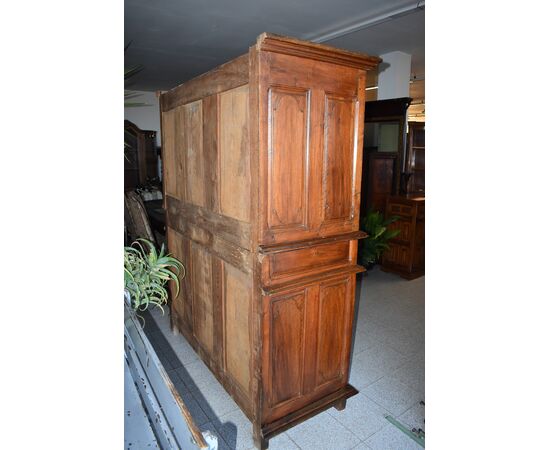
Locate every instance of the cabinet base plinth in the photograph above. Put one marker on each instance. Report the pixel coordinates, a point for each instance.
(336, 399)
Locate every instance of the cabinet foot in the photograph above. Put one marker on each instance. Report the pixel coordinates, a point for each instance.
(259, 441)
(341, 405)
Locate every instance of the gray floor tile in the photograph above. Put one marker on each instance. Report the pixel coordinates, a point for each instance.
(236, 430)
(406, 341)
(374, 363)
(393, 395)
(414, 417)
(362, 416)
(323, 432)
(214, 400)
(362, 446)
(196, 375)
(362, 371)
(281, 442)
(412, 374)
(391, 438)
(194, 408)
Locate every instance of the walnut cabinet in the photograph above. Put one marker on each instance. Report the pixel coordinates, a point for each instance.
(262, 174)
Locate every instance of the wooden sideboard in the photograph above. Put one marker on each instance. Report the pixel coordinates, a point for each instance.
(405, 256)
(262, 177)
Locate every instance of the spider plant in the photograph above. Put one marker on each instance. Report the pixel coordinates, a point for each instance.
(146, 272)
(372, 247)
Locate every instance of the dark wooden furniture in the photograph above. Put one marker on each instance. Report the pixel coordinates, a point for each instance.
(157, 215)
(405, 256)
(136, 218)
(140, 162)
(384, 151)
(262, 174)
(416, 157)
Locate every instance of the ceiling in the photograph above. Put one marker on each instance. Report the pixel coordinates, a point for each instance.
(176, 40)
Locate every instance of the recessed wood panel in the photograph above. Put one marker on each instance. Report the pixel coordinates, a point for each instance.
(180, 153)
(237, 300)
(338, 158)
(332, 333)
(288, 132)
(191, 141)
(286, 323)
(176, 248)
(201, 268)
(234, 154)
(168, 153)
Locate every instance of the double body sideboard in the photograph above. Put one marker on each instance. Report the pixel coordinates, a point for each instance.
(262, 175)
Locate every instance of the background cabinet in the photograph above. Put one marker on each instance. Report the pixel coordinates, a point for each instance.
(405, 256)
(384, 151)
(416, 157)
(140, 162)
(262, 173)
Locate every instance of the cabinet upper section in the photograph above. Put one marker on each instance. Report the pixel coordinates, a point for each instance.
(310, 138)
(272, 139)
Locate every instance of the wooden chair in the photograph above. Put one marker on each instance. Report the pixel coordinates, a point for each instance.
(136, 218)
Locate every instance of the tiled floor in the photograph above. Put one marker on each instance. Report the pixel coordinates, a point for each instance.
(387, 369)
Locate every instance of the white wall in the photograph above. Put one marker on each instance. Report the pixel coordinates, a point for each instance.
(145, 117)
(394, 74)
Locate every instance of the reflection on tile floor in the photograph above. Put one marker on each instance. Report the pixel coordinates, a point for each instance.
(387, 368)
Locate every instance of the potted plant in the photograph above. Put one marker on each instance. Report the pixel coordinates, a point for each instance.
(372, 247)
(146, 273)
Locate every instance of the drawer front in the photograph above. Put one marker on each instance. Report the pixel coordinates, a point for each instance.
(293, 264)
(400, 209)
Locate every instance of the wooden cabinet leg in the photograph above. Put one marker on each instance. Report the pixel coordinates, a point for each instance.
(259, 441)
(340, 405)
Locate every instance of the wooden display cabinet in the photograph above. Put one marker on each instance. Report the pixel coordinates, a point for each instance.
(416, 156)
(262, 175)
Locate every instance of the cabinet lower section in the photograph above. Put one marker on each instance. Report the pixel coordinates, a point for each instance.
(336, 399)
(306, 344)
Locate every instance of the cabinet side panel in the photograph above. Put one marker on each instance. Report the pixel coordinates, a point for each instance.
(192, 142)
(237, 295)
(203, 326)
(181, 306)
(168, 144)
(175, 244)
(234, 154)
(211, 152)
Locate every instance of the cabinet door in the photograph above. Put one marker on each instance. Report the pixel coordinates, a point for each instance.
(311, 130)
(307, 335)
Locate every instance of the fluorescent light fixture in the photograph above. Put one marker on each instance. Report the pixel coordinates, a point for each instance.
(371, 88)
